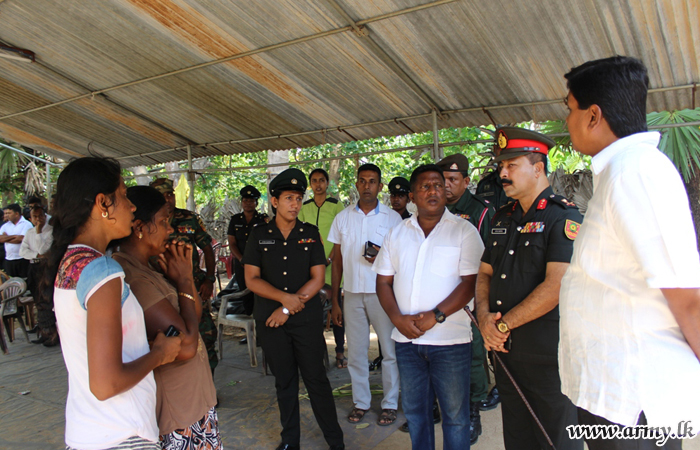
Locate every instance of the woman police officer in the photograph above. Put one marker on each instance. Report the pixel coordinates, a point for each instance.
(285, 268)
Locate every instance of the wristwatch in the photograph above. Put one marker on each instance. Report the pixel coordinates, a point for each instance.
(439, 315)
(285, 310)
(502, 326)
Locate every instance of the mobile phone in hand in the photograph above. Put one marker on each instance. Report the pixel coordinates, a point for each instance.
(171, 331)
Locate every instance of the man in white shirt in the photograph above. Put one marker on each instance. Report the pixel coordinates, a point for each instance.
(11, 234)
(34, 247)
(358, 232)
(426, 273)
(630, 303)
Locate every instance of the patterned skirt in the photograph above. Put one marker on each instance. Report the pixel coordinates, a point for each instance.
(201, 435)
(133, 443)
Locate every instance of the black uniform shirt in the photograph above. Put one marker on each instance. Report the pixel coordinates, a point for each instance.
(240, 229)
(518, 249)
(285, 264)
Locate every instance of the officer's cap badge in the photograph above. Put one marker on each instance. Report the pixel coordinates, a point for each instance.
(502, 139)
(454, 166)
(294, 181)
(398, 186)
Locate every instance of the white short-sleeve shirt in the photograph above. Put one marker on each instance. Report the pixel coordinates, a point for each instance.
(15, 229)
(621, 350)
(352, 228)
(427, 270)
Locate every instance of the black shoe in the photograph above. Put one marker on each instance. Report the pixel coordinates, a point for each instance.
(404, 427)
(284, 446)
(436, 413)
(492, 400)
(243, 341)
(474, 423)
(41, 340)
(376, 364)
(52, 341)
(34, 330)
(337, 447)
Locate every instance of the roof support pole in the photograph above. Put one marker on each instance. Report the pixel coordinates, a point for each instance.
(190, 179)
(437, 153)
(48, 182)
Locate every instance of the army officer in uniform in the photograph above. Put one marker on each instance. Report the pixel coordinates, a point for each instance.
(285, 268)
(517, 292)
(238, 230)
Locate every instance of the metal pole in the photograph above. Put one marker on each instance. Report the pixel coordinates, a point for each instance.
(435, 153)
(29, 155)
(381, 122)
(190, 179)
(48, 183)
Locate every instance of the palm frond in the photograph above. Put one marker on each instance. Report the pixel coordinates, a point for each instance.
(680, 144)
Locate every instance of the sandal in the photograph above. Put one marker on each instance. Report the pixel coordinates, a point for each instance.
(387, 417)
(341, 363)
(356, 415)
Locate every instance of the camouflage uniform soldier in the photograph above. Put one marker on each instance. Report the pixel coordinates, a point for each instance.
(189, 228)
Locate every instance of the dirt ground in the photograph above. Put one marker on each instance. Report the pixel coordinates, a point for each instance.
(33, 387)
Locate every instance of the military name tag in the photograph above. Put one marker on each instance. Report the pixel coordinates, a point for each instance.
(272, 241)
(533, 227)
(238, 226)
(499, 230)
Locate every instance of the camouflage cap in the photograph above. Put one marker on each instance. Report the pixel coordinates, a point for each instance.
(288, 180)
(250, 192)
(454, 163)
(399, 185)
(163, 185)
(513, 142)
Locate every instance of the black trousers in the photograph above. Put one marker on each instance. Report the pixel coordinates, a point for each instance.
(16, 267)
(46, 319)
(294, 348)
(587, 418)
(542, 387)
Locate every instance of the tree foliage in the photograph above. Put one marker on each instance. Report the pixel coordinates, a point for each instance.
(681, 144)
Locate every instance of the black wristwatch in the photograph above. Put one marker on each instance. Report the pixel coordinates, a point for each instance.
(439, 315)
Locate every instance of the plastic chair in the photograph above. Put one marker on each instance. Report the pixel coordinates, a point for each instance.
(10, 292)
(238, 321)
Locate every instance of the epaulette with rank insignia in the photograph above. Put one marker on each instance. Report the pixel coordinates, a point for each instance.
(562, 201)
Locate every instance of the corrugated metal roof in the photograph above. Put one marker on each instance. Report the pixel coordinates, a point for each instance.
(298, 67)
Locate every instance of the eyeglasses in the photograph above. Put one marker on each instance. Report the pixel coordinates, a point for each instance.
(428, 186)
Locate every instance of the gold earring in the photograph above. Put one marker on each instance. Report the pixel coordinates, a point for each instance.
(105, 214)
(140, 235)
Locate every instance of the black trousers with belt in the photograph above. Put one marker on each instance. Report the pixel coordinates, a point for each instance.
(298, 346)
(541, 385)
